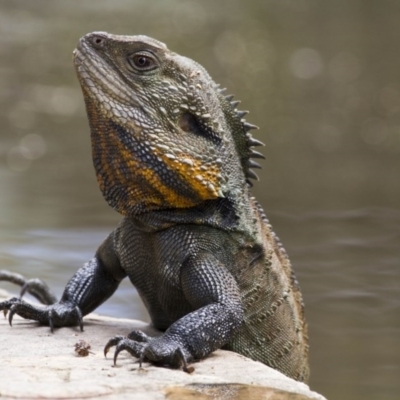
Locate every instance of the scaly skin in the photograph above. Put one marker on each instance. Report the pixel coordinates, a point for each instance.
(172, 154)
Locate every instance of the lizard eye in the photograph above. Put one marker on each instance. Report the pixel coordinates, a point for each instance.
(143, 61)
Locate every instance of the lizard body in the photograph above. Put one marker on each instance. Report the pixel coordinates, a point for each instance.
(173, 155)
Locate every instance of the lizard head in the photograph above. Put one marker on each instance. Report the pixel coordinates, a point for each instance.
(163, 136)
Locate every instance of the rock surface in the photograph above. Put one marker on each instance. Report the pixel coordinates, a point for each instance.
(37, 364)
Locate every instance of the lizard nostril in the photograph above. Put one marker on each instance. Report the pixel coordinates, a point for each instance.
(98, 40)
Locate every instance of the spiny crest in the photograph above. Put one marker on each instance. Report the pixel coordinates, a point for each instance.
(244, 141)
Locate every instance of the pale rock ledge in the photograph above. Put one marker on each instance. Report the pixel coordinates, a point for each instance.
(36, 364)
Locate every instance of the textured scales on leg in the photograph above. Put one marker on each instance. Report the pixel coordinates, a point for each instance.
(173, 155)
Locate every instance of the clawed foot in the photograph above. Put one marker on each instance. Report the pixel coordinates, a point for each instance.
(160, 351)
(58, 314)
(36, 287)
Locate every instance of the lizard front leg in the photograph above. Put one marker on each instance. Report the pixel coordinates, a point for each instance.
(92, 284)
(213, 293)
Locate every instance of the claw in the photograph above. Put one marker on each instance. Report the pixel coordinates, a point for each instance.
(181, 359)
(117, 351)
(11, 315)
(51, 321)
(23, 290)
(133, 348)
(80, 318)
(112, 342)
(141, 359)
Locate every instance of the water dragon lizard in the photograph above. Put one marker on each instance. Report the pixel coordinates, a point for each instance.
(174, 156)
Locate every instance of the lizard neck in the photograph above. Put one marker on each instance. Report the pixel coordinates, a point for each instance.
(218, 213)
(222, 213)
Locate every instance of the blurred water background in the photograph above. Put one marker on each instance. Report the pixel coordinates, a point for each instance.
(321, 79)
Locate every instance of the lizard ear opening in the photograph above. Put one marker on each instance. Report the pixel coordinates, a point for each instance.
(190, 124)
